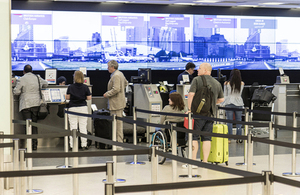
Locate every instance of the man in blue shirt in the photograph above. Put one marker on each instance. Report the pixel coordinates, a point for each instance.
(189, 70)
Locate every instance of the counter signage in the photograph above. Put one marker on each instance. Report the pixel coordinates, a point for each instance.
(123, 20)
(50, 75)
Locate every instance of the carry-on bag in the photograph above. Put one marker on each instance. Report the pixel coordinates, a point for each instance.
(262, 96)
(103, 129)
(219, 146)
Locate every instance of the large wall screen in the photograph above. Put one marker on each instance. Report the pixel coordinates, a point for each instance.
(69, 40)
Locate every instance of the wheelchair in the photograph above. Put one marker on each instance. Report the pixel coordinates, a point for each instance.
(163, 139)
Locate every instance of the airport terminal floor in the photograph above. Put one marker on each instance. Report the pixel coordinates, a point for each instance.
(141, 174)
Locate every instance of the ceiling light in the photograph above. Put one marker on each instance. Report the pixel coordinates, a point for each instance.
(116, 1)
(247, 6)
(184, 3)
(272, 3)
(205, 1)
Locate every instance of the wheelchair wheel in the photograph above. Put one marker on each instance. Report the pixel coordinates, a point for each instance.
(160, 141)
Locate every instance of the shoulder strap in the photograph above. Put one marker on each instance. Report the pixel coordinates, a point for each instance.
(203, 80)
(39, 86)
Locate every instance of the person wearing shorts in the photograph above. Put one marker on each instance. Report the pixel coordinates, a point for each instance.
(201, 124)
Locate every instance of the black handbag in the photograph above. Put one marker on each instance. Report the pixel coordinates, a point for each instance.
(43, 109)
(61, 109)
(262, 96)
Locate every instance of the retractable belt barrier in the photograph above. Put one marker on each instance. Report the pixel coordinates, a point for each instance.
(192, 184)
(6, 145)
(35, 136)
(52, 172)
(248, 177)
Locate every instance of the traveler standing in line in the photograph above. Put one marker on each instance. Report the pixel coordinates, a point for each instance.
(116, 94)
(201, 124)
(30, 99)
(78, 93)
(233, 99)
(189, 70)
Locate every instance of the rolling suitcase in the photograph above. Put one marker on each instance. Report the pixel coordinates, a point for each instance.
(103, 129)
(219, 146)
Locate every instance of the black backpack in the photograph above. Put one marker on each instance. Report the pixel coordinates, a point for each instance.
(202, 101)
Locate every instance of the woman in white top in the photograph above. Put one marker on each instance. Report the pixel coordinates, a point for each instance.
(233, 99)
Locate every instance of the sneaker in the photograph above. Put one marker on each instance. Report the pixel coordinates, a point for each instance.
(185, 166)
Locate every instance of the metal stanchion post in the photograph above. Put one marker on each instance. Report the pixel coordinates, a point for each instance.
(110, 173)
(271, 153)
(249, 160)
(109, 186)
(75, 162)
(135, 162)
(16, 166)
(1, 165)
(271, 147)
(293, 173)
(174, 152)
(114, 147)
(29, 160)
(245, 143)
(23, 168)
(154, 167)
(109, 189)
(267, 183)
(190, 143)
(66, 145)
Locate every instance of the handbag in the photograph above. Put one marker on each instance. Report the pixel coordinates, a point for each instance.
(43, 109)
(262, 96)
(61, 109)
(186, 123)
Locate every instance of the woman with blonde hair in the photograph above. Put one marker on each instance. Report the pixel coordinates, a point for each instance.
(78, 93)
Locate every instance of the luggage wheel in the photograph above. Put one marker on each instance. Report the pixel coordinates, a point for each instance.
(226, 163)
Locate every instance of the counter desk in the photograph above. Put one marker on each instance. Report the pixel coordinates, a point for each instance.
(54, 95)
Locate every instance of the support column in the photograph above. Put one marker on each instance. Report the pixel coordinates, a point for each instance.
(6, 98)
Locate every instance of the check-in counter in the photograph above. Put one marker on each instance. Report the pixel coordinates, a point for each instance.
(184, 89)
(54, 97)
(288, 101)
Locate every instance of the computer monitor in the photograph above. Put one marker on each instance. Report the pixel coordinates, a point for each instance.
(145, 74)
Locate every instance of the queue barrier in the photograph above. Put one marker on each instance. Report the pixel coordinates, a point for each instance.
(278, 179)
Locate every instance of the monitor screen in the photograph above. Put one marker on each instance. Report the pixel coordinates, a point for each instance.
(67, 40)
(145, 74)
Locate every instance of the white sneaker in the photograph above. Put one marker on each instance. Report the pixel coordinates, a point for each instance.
(185, 166)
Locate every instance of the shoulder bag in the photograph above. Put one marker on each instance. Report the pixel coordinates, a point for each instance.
(43, 110)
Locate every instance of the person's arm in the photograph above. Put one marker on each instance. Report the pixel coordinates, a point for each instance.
(163, 117)
(220, 95)
(115, 87)
(68, 96)
(220, 100)
(18, 88)
(89, 97)
(190, 100)
(43, 82)
(225, 89)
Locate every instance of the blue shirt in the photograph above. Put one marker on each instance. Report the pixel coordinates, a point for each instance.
(179, 78)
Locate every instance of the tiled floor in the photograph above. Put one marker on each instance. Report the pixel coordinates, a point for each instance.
(91, 184)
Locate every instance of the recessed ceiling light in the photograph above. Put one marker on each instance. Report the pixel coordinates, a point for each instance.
(247, 6)
(184, 3)
(272, 3)
(116, 1)
(205, 1)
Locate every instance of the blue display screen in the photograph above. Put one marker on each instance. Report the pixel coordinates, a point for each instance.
(69, 40)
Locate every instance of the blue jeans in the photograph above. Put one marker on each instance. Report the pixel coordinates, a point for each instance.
(238, 117)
